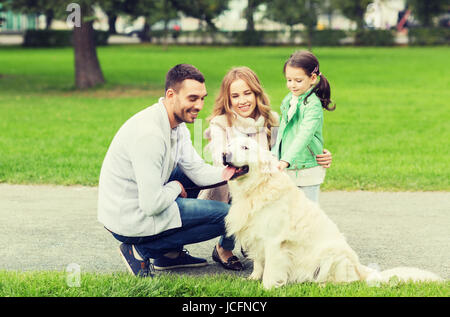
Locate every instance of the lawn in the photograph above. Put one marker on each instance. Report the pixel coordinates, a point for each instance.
(390, 130)
(55, 284)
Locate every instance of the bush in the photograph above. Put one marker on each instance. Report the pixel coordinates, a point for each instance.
(327, 37)
(374, 38)
(47, 38)
(58, 38)
(251, 38)
(429, 36)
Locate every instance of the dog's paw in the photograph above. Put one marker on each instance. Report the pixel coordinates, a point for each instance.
(268, 284)
(255, 276)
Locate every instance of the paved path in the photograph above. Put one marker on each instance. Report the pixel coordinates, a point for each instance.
(50, 227)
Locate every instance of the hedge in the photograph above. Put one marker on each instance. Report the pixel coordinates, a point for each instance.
(429, 36)
(58, 38)
(374, 38)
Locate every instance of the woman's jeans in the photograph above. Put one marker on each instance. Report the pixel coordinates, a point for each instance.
(201, 220)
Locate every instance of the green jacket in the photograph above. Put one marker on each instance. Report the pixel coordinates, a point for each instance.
(300, 139)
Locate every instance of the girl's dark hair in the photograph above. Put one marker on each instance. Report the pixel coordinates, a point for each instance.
(310, 65)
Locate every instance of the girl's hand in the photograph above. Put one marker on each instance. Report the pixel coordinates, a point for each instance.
(282, 165)
(324, 159)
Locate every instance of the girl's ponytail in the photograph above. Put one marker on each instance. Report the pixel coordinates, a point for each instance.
(323, 92)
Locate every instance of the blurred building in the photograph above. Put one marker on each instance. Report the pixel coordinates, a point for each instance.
(17, 22)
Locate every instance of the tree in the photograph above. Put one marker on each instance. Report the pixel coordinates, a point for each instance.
(354, 10)
(425, 11)
(252, 7)
(87, 67)
(205, 10)
(301, 12)
(328, 7)
(153, 11)
(113, 8)
(88, 72)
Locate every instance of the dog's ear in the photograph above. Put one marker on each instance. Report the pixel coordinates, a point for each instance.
(268, 162)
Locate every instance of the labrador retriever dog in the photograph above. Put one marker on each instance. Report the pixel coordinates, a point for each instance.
(288, 237)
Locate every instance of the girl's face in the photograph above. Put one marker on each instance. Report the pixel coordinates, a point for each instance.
(297, 81)
(242, 98)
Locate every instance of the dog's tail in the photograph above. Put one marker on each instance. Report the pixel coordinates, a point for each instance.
(401, 274)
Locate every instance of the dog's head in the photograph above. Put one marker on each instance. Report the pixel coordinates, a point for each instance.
(248, 158)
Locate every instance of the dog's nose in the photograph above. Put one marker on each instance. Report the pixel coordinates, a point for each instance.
(226, 157)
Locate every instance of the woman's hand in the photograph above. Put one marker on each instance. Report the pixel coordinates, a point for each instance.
(183, 193)
(324, 159)
(282, 165)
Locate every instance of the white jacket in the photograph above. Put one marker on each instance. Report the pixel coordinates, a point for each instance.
(134, 198)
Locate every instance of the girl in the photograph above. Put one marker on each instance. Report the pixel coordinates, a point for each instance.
(299, 138)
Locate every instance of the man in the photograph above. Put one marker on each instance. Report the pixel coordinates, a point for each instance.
(142, 197)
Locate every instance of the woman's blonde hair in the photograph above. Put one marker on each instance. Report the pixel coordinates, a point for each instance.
(222, 105)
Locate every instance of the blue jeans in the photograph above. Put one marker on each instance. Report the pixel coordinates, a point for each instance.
(311, 192)
(201, 220)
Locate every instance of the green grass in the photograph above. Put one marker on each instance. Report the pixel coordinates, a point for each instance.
(390, 130)
(54, 284)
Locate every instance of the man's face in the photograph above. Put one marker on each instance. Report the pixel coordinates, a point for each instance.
(188, 100)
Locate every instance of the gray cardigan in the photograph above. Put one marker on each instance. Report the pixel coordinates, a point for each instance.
(134, 197)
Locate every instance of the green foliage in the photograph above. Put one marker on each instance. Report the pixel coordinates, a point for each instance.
(205, 10)
(248, 38)
(58, 38)
(325, 37)
(374, 37)
(353, 10)
(292, 12)
(425, 11)
(249, 12)
(429, 36)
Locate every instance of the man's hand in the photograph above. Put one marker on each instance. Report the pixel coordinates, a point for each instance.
(324, 159)
(183, 191)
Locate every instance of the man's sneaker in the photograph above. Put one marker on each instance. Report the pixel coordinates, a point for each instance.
(135, 264)
(183, 260)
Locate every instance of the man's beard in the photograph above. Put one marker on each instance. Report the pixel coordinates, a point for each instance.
(182, 115)
(178, 119)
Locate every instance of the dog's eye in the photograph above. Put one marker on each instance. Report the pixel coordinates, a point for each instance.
(244, 147)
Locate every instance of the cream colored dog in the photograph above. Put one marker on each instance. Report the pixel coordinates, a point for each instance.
(288, 237)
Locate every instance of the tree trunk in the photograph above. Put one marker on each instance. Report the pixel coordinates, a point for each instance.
(249, 11)
(49, 14)
(145, 35)
(112, 23)
(309, 35)
(87, 67)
